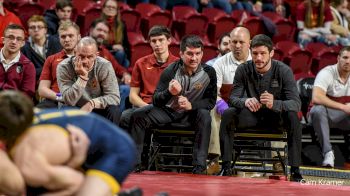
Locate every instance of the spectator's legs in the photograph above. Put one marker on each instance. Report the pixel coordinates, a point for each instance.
(268, 7)
(124, 94)
(126, 118)
(319, 119)
(111, 112)
(292, 123)
(121, 57)
(344, 41)
(143, 119)
(202, 126)
(222, 4)
(237, 6)
(304, 39)
(214, 145)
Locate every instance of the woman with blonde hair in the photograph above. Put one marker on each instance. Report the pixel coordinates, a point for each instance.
(118, 42)
(314, 19)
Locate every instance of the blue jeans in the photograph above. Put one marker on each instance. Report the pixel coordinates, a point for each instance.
(124, 94)
(121, 57)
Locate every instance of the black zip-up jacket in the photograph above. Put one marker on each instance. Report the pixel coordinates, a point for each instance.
(199, 88)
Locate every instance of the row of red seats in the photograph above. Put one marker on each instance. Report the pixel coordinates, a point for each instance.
(308, 62)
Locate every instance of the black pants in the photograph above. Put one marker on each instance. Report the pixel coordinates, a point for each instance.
(47, 103)
(243, 118)
(111, 112)
(150, 116)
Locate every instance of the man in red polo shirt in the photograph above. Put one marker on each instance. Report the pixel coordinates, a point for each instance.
(69, 35)
(147, 71)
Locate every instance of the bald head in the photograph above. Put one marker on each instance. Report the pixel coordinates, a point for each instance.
(240, 43)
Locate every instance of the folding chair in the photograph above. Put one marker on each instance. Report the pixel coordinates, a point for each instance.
(171, 147)
(253, 146)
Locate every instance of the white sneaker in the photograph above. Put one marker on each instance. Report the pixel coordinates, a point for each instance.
(328, 160)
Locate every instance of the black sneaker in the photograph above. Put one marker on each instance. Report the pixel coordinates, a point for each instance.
(296, 177)
(198, 169)
(226, 171)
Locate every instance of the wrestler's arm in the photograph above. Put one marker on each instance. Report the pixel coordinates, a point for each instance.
(41, 156)
(80, 145)
(11, 181)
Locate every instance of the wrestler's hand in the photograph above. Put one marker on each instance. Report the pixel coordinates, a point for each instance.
(80, 144)
(184, 103)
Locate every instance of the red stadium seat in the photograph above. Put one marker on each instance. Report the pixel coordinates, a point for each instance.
(147, 9)
(174, 48)
(87, 17)
(25, 11)
(273, 16)
(278, 54)
(209, 52)
(132, 19)
(158, 18)
(285, 31)
(325, 58)
(287, 47)
(255, 26)
(213, 14)
(135, 38)
(300, 62)
(137, 51)
(222, 25)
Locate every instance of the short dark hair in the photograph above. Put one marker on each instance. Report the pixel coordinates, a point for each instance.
(60, 4)
(191, 41)
(16, 115)
(262, 40)
(98, 20)
(14, 27)
(346, 48)
(223, 36)
(159, 30)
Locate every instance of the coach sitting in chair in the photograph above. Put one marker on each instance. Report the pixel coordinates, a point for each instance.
(264, 94)
(186, 89)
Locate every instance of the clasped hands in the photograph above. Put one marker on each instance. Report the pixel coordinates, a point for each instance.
(266, 99)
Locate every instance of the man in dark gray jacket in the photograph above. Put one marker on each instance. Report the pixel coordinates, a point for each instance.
(264, 94)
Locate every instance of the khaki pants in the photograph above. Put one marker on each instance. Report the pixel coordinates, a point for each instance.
(214, 145)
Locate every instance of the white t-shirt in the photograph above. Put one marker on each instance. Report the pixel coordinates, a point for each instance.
(328, 79)
(225, 68)
(8, 65)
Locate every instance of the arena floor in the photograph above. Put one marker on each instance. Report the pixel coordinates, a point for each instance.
(176, 184)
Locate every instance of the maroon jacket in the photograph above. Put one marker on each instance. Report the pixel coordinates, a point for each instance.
(20, 76)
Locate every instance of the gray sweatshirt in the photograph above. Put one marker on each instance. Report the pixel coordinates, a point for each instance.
(102, 86)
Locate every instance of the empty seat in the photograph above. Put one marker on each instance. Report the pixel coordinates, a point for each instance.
(132, 19)
(255, 26)
(25, 11)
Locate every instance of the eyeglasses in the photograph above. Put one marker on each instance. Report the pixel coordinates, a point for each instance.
(13, 38)
(36, 27)
(111, 7)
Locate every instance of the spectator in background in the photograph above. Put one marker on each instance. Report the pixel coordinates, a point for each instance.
(62, 12)
(89, 82)
(147, 71)
(225, 68)
(118, 42)
(265, 94)
(16, 71)
(40, 45)
(69, 35)
(314, 19)
(99, 30)
(340, 24)
(282, 8)
(186, 92)
(224, 43)
(6, 18)
(331, 108)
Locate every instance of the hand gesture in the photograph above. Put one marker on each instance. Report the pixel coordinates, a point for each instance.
(252, 104)
(126, 78)
(174, 87)
(80, 70)
(184, 103)
(266, 99)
